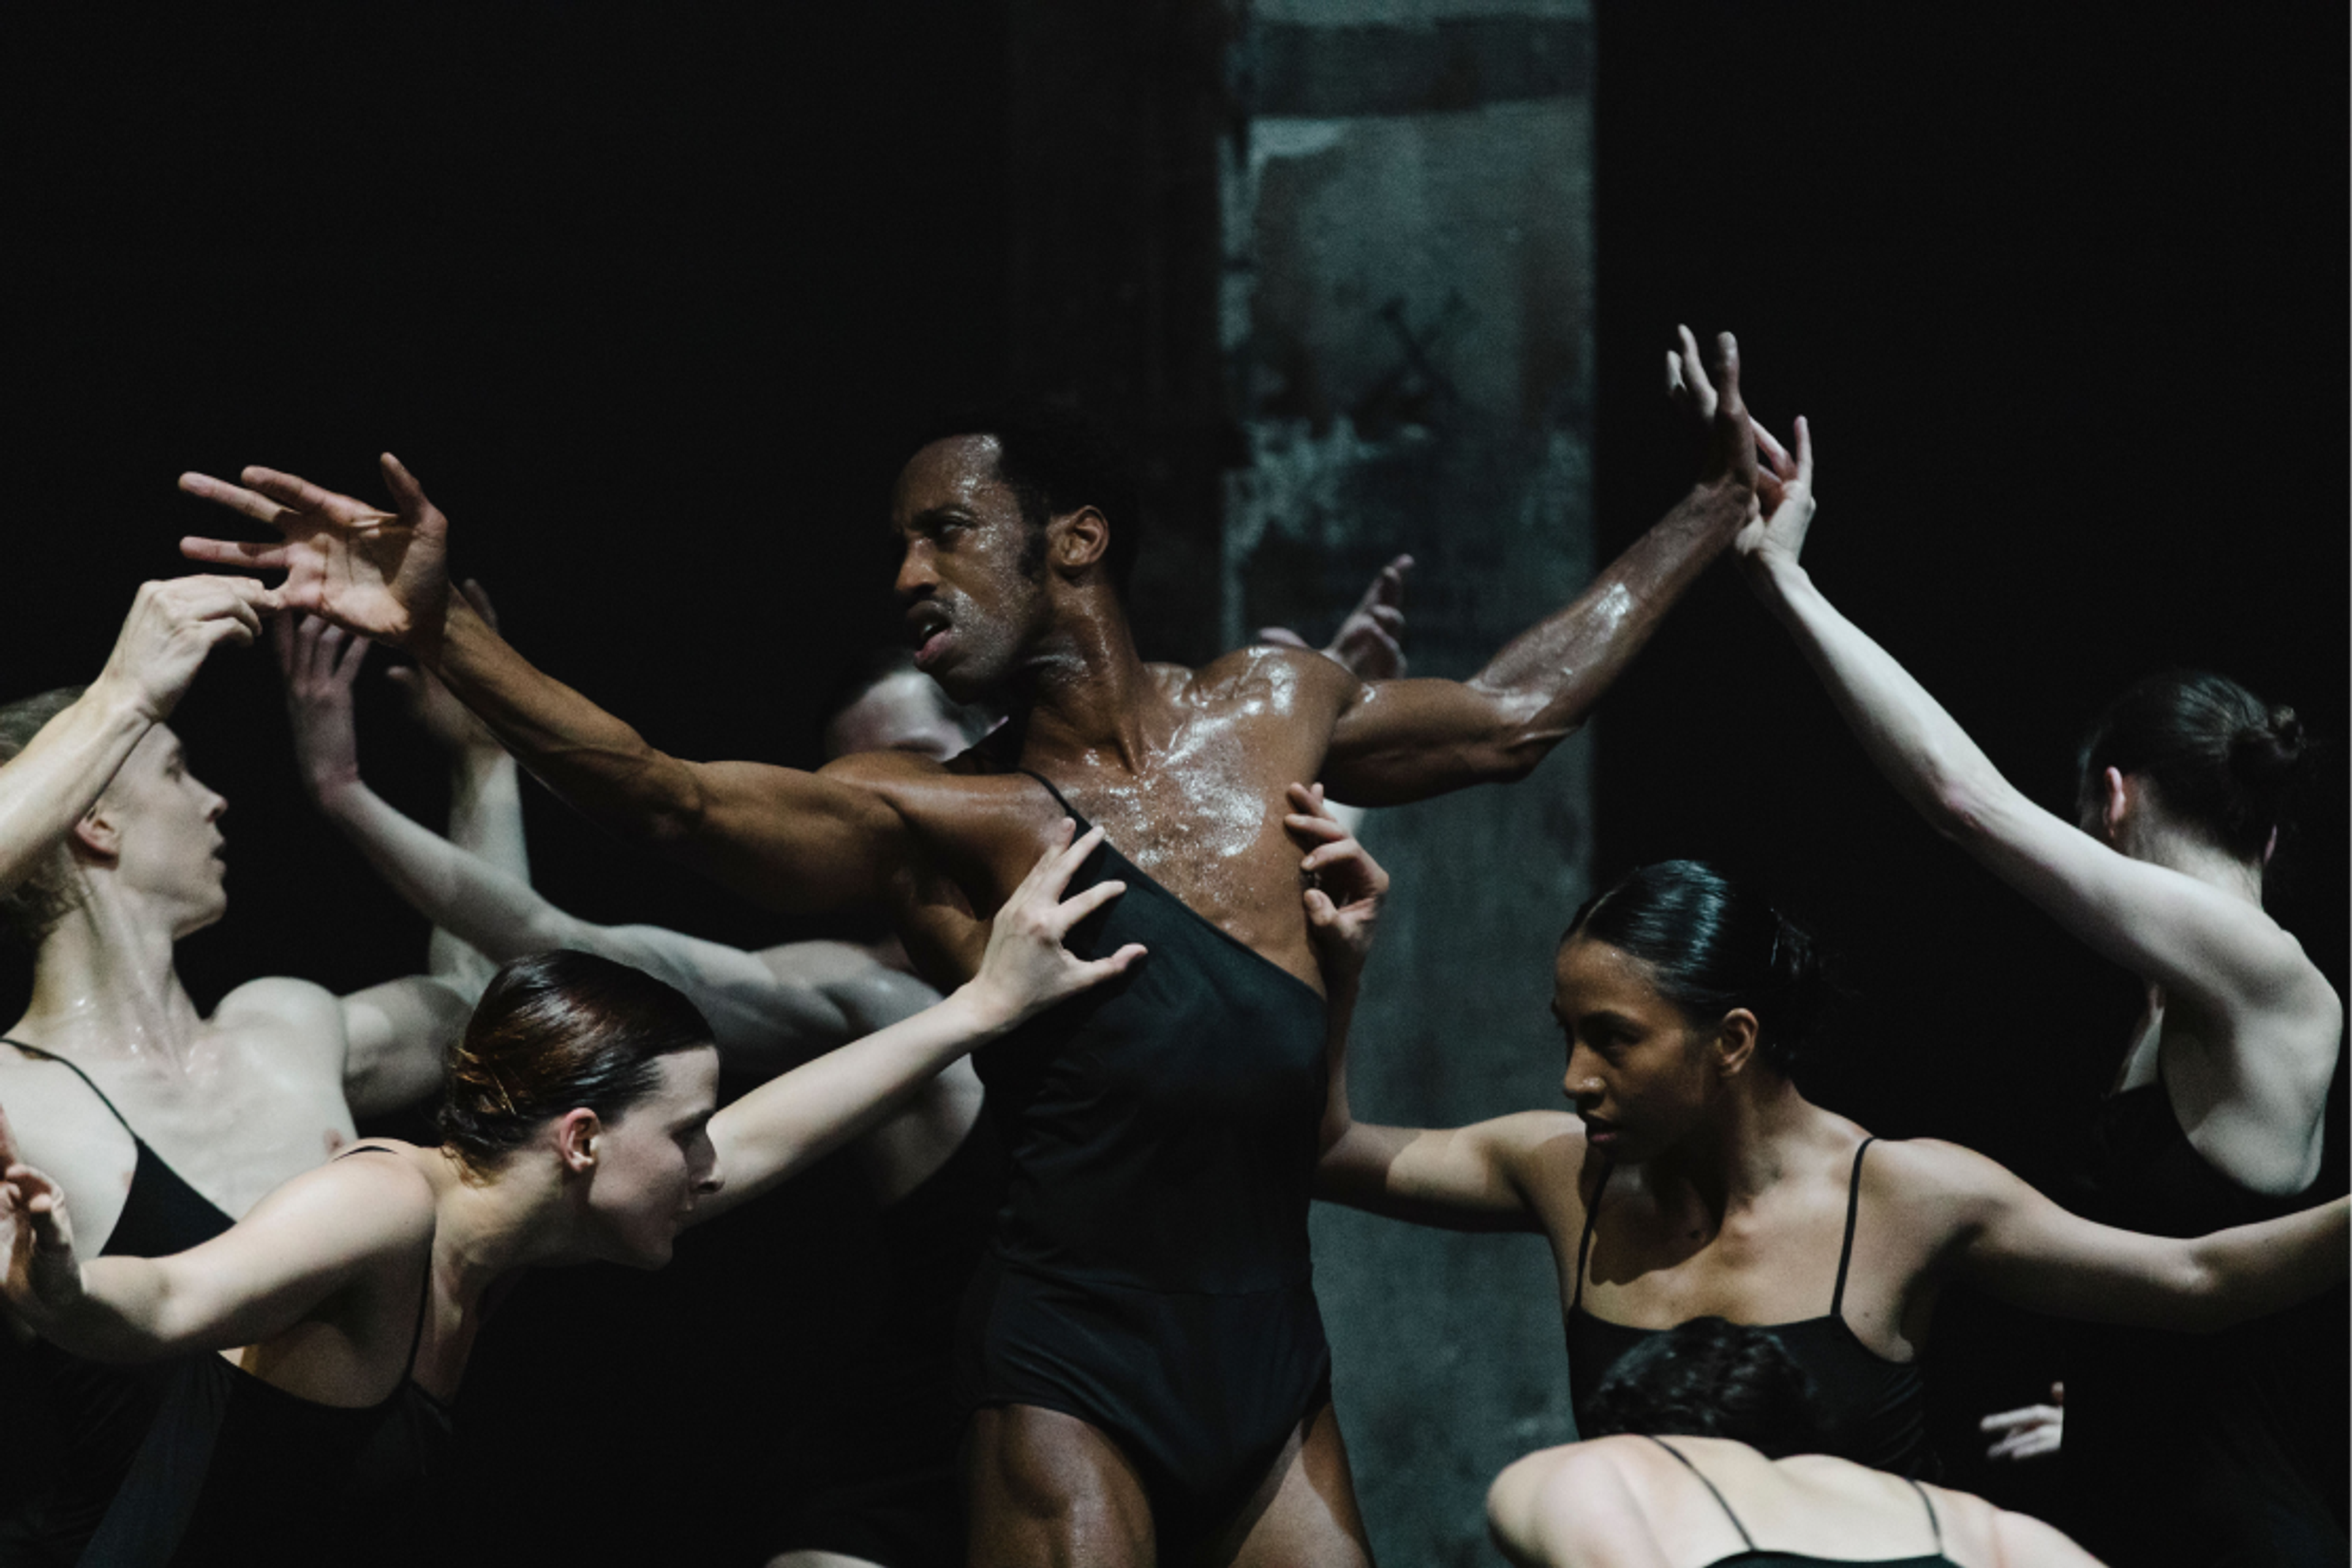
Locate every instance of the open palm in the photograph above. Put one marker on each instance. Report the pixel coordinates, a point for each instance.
(382, 574)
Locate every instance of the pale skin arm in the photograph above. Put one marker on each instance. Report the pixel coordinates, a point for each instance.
(791, 839)
(791, 1122)
(2198, 942)
(173, 625)
(2008, 1240)
(1466, 1178)
(308, 1239)
(764, 1019)
(1407, 740)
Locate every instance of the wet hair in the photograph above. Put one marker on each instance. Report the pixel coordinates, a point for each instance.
(32, 909)
(2223, 760)
(559, 1032)
(1054, 460)
(888, 664)
(1709, 1378)
(1712, 945)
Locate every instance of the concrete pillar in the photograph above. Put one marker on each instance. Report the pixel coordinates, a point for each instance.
(1406, 321)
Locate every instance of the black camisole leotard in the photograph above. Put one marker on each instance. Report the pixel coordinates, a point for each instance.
(1874, 1409)
(235, 1469)
(1148, 1270)
(84, 1420)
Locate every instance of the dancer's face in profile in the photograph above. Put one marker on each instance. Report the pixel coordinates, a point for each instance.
(1638, 1068)
(973, 577)
(160, 825)
(655, 1160)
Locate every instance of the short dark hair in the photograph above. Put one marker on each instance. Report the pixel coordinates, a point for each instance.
(2223, 760)
(554, 1032)
(1055, 460)
(1709, 1378)
(32, 909)
(1714, 944)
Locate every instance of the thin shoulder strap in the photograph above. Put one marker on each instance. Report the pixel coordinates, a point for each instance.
(1065, 805)
(1745, 1539)
(1584, 1242)
(424, 1287)
(1852, 1209)
(68, 1063)
(1929, 1504)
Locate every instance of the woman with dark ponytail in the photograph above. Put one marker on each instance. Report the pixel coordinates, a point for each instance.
(2218, 1114)
(580, 1122)
(1695, 1179)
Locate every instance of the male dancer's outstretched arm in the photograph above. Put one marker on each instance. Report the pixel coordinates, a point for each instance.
(785, 836)
(1408, 739)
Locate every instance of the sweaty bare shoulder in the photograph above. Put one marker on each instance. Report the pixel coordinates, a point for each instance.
(281, 1001)
(1277, 682)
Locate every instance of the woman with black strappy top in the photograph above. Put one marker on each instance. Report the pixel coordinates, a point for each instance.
(1693, 1178)
(2218, 1113)
(1702, 1452)
(580, 1122)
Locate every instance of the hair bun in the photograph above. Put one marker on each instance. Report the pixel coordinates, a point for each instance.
(2265, 755)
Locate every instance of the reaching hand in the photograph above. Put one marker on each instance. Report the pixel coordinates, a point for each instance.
(42, 1276)
(1343, 905)
(434, 709)
(1787, 486)
(319, 662)
(2030, 1432)
(382, 574)
(173, 625)
(1026, 968)
(1370, 643)
(1715, 402)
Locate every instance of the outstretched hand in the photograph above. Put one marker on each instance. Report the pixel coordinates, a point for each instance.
(380, 574)
(2030, 1432)
(1777, 539)
(42, 1276)
(1370, 644)
(1716, 403)
(319, 661)
(173, 625)
(1026, 968)
(1347, 885)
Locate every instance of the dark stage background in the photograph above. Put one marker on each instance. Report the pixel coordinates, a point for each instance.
(648, 302)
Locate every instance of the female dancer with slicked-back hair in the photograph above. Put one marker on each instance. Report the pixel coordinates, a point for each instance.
(2218, 1111)
(1696, 1180)
(578, 1124)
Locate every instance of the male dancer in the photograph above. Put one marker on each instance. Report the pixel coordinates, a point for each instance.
(1143, 1356)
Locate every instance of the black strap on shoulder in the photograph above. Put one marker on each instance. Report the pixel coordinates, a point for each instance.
(1745, 1539)
(1066, 807)
(1852, 1209)
(67, 1064)
(1929, 1504)
(1584, 1242)
(425, 1286)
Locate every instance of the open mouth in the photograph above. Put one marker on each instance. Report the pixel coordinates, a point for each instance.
(931, 629)
(1599, 1130)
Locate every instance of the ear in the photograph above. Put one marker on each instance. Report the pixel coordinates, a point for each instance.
(1081, 539)
(576, 1136)
(2114, 803)
(97, 837)
(1735, 1042)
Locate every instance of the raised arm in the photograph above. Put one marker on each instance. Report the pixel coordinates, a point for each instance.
(789, 838)
(765, 1019)
(301, 1246)
(59, 775)
(790, 1122)
(2008, 1240)
(1408, 739)
(1469, 1178)
(2218, 952)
